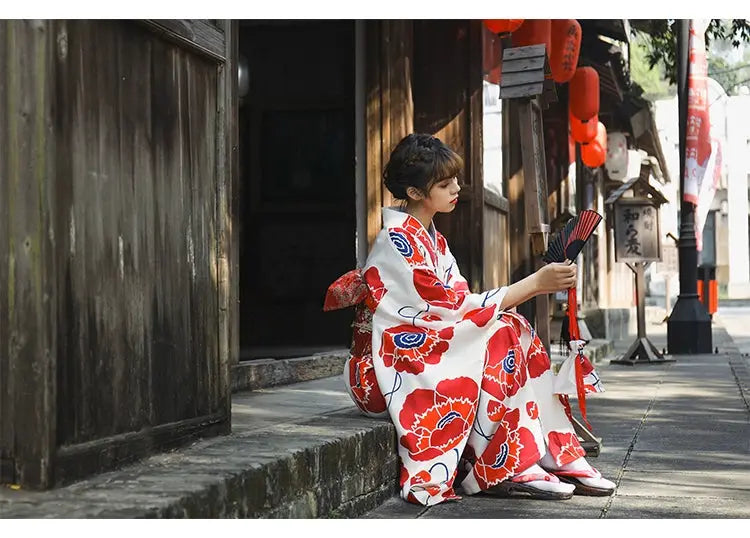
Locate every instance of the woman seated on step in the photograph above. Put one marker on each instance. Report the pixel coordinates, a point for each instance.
(466, 382)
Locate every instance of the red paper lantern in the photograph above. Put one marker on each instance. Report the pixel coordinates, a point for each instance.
(491, 57)
(534, 32)
(566, 45)
(583, 131)
(592, 156)
(502, 26)
(584, 93)
(594, 153)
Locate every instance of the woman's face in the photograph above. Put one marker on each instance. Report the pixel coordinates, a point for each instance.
(443, 195)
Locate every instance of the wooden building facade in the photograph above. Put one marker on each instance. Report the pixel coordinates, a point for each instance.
(116, 169)
(327, 103)
(160, 226)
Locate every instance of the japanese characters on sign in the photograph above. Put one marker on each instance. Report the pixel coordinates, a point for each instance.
(637, 237)
(570, 55)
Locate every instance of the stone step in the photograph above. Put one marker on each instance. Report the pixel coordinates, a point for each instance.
(297, 451)
(270, 372)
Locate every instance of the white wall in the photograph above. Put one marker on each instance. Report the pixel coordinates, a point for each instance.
(738, 160)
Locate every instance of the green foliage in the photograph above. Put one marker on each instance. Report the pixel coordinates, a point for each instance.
(725, 74)
(661, 40)
(650, 79)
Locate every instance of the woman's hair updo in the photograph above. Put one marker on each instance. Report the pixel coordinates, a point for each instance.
(420, 160)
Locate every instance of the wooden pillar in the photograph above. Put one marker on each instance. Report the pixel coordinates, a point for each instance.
(228, 216)
(28, 298)
(388, 104)
(535, 187)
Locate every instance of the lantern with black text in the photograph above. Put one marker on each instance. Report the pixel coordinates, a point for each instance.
(566, 45)
(534, 32)
(584, 93)
(502, 26)
(583, 131)
(594, 153)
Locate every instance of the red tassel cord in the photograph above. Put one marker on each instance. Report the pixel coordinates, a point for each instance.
(575, 334)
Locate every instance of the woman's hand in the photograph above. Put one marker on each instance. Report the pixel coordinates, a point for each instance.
(555, 277)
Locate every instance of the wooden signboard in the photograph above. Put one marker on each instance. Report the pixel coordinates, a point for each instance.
(637, 231)
(638, 243)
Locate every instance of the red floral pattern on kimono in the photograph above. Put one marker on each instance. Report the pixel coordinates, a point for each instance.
(564, 447)
(502, 375)
(431, 289)
(539, 361)
(511, 449)
(375, 287)
(437, 420)
(480, 316)
(532, 410)
(458, 377)
(406, 244)
(409, 349)
(362, 380)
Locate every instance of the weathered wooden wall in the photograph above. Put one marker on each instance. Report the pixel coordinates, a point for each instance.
(114, 168)
(447, 91)
(496, 245)
(28, 242)
(389, 106)
(426, 76)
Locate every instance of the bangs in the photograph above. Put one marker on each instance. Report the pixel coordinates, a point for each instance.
(448, 164)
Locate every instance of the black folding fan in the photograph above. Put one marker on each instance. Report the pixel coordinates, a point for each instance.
(567, 245)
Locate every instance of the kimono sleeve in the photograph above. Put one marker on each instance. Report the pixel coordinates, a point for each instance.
(456, 280)
(442, 286)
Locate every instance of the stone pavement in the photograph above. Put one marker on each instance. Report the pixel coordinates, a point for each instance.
(675, 439)
(295, 451)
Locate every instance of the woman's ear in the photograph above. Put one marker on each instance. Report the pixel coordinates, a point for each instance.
(414, 193)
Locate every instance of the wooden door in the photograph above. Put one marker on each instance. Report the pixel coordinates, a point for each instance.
(120, 258)
(298, 209)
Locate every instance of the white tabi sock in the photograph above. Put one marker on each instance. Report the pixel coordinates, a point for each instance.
(538, 478)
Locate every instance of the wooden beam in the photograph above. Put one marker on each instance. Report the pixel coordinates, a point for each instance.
(197, 35)
(227, 173)
(535, 191)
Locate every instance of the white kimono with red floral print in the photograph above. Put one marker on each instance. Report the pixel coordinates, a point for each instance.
(461, 380)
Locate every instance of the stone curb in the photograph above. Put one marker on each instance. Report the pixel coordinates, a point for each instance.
(336, 465)
(262, 373)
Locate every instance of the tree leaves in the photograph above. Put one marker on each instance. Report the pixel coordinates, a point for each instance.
(662, 43)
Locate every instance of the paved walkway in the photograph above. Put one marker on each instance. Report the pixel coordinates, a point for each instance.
(676, 440)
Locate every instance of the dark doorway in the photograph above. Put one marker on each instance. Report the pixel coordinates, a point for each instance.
(297, 193)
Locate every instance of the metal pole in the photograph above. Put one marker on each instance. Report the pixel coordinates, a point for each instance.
(640, 289)
(688, 252)
(689, 325)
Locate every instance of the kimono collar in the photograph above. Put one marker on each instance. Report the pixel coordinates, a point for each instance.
(397, 217)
